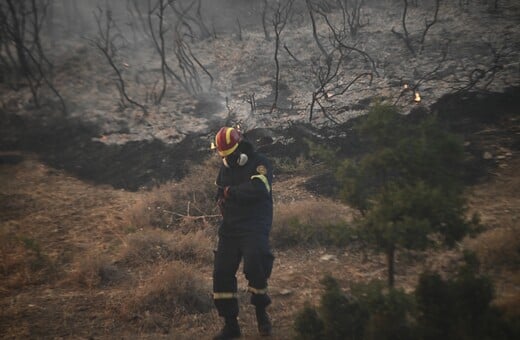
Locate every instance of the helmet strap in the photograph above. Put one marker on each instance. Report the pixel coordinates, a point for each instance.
(224, 161)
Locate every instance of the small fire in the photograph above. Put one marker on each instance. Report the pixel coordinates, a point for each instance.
(405, 86)
(213, 146)
(417, 97)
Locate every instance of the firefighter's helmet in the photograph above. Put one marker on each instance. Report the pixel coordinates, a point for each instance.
(227, 140)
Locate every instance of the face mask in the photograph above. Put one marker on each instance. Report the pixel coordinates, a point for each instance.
(234, 160)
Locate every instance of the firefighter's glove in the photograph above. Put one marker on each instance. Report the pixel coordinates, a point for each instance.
(221, 201)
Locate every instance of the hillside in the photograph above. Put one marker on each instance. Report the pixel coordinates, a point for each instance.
(107, 223)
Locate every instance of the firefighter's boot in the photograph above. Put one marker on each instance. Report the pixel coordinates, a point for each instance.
(264, 322)
(231, 330)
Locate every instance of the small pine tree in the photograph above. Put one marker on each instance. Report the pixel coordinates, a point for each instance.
(409, 186)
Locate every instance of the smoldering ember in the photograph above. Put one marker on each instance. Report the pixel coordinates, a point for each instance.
(109, 109)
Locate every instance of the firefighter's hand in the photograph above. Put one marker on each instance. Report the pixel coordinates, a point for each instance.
(226, 192)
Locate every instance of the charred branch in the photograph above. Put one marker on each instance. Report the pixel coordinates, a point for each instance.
(429, 24)
(291, 54)
(405, 36)
(311, 11)
(339, 39)
(264, 20)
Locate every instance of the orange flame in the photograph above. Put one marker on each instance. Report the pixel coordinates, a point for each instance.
(417, 97)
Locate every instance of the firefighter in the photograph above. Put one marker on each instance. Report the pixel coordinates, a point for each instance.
(245, 201)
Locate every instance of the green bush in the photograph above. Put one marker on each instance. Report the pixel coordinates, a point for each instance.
(339, 316)
(308, 324)
(389, 309)
(343, 315)
(459, 308)
(453, 308)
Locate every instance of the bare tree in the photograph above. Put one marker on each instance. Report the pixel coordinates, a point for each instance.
(191, 18)
(311, 9)
(352, 11)
(264, 20)
(329, 75)
(405, 35)
(329, 83)
(170, 25)
(481, 75)
(158, 9)
(108, 41)
(21, 48)
(280, 17)
(189, 65)
(339, 38)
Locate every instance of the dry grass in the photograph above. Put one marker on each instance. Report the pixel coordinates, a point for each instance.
(497, 247)
(22, 262)
(309, 221)
(95, 271)
(176, 288)
(154, 245)
(187, 205)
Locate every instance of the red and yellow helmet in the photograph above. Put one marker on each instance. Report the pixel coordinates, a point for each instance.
(227, 140)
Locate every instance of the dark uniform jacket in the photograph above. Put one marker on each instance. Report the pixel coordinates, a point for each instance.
(249, 206)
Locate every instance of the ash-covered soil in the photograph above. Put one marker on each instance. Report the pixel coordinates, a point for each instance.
(488, 122)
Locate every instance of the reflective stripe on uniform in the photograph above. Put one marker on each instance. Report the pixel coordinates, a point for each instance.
(264, 180)
(225, 295)
(256, 290)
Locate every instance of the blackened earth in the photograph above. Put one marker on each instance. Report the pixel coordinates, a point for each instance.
(486, 121)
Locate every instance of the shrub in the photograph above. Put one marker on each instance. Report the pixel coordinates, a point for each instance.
(148, 247)
(193, 247)
(389, 309)
(497, 247)
(176, 289)
(460, 308)
(308, 324)
(453, 308)
(94, 270)
(339, 316)
(344, 317)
